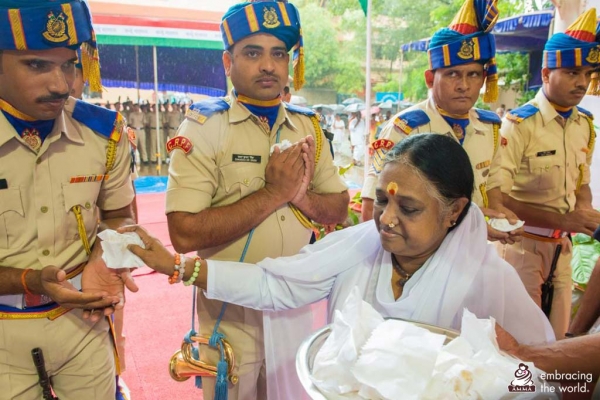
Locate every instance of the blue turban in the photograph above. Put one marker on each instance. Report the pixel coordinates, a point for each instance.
(45, 25)
(578, 46)
(469, 39)
(278, 18)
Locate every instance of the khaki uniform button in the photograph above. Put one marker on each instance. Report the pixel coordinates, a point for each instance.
(46, 252)
(44, 209)
(283, 217)
(76, 236)
(88, 205)
(246, 181)
(547, 167)
(38, 161)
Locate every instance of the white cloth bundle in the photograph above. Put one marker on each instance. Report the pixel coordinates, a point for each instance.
(351, 328)
(402, 360)
(115, 253)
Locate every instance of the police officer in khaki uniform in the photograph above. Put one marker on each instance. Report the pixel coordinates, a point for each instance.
(151, 123)
(226, 191)
(57, 153)
(136, 122)
(461, 59)
(545, 169)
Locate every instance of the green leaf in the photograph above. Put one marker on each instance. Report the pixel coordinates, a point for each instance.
(585, 255)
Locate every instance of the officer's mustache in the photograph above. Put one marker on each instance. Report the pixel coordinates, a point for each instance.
(53, 97)
(267, 75)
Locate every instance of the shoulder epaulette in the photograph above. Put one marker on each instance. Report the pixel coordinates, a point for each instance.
(585, 112)
(299, 109)
(488, 116)
(105, 122)
(520, 114)
(204, 109)
(410, 120)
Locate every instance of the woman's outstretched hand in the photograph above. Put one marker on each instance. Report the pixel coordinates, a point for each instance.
(155, 255)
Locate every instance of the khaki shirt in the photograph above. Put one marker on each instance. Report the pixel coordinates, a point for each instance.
(136, 120)
(173, 119)
(481, 144)
(541, 160)
(227, 162)
(150, 119)
(37, 226)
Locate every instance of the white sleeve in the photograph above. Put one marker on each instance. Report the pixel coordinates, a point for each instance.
(251, 286)
(291, 282)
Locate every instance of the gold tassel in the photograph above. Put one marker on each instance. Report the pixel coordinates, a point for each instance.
(81, 228)
(299, 70)
(496, 130)
(483, 191)
(90, 63)
(301, 217)
(319, 136)
(594, 87)
(591, 145)
(491, 89)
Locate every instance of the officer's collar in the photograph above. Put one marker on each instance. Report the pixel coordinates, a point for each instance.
(450, 115)
(547, 110)
(432, 111)
(61, 125)
(259, 103)
(239, 113)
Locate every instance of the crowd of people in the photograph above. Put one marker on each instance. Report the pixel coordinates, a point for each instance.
(142, 118)
(249, 174)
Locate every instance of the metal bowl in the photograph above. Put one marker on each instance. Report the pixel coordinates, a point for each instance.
(308, 350)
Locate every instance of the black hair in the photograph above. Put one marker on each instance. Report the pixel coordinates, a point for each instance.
(443, 161)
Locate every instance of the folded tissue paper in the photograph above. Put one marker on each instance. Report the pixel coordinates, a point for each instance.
(115, 252)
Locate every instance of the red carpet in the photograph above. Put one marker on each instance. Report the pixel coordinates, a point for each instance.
(156, 319)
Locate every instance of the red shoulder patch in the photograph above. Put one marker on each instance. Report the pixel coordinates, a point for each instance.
(179, 142)
(382, 144)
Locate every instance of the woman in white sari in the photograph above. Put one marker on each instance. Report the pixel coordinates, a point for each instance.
(425, 258)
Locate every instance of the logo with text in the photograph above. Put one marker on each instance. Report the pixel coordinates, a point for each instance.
(523, 381)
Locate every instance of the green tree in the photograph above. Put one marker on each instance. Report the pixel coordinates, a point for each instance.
(334, 32)
(321, 46)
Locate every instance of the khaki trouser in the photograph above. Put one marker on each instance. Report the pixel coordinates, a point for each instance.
(153, 144)
(243, 329)
(78, 355)
(140, 134)
(532, 260)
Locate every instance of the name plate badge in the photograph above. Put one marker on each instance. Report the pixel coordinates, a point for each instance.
(246, 158)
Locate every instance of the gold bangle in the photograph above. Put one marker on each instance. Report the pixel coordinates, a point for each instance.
(197, 264)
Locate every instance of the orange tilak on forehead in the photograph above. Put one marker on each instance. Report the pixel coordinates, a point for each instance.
(392, 188)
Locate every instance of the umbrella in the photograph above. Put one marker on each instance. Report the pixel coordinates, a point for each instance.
(388, 104)
(354, 107)
(337, 108)
(352, 100)
(326, 108)
(298, 100)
